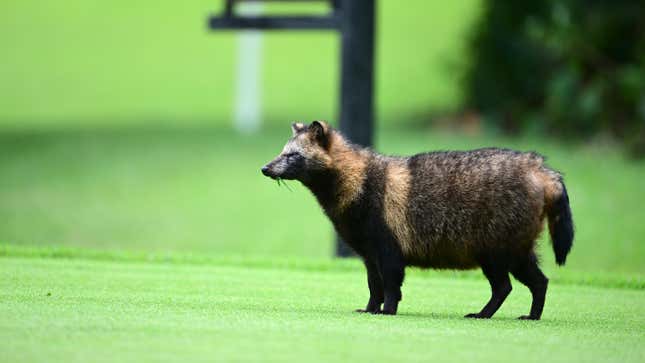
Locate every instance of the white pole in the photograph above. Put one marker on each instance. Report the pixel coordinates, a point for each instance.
(248, 96)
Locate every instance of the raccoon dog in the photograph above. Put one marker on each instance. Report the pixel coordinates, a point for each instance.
(446, 210)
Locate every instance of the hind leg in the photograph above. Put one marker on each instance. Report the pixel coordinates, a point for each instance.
(500, 285)
(530, 275)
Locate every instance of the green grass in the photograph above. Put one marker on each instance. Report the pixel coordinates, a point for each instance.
(75, 62)
(560, 276)
(88, 310)
(199, 190)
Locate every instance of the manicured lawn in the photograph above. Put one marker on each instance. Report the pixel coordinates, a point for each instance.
(79, 310)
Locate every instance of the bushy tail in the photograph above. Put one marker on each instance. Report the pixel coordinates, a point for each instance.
(561, 226)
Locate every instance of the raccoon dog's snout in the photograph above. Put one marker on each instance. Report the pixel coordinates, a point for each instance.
(267, 170)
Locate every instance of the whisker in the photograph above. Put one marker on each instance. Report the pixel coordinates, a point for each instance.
(287, 185)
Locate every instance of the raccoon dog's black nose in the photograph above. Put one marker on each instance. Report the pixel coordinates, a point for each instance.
(265, 170)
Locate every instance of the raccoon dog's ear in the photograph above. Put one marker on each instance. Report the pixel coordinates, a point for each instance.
(297, 127)
(319, 131)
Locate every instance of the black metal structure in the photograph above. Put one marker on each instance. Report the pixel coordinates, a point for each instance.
(355, 21)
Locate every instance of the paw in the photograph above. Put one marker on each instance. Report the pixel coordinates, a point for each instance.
(386, 312)
(528, 317)
(476, 316)
(376, 310)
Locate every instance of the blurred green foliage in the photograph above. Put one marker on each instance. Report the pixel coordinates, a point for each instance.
(568, 67)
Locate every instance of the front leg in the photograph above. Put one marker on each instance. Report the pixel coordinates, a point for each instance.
(392, 272)
(375, 284)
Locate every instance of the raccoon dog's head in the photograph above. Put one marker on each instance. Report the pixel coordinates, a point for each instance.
(305, 154)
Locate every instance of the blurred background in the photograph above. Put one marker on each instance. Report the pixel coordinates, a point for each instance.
(119, 129)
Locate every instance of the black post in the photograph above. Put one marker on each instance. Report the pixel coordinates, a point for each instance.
(357, 78)
(355, 20)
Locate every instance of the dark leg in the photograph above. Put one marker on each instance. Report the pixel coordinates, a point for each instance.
(375, 284)
(393, 271)
(500, 285)
(530, 275)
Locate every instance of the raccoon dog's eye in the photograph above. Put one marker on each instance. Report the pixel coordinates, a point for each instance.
(291, 155)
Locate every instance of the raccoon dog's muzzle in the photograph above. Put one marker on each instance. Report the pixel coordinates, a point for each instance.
(266, 170)
(288, 166)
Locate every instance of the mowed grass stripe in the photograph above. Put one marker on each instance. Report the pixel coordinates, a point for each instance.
(562, 275)
(80, 310)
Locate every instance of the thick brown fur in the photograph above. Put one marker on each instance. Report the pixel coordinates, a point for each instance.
(449, 210)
